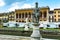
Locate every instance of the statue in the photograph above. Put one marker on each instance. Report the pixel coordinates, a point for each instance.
(36, 14)
(36, 32)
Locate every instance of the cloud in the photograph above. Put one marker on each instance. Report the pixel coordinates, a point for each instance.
(2, 3)
(27, 6)
(14, 6)
(18, 5)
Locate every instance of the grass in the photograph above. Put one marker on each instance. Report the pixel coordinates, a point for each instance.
(51, 29)
(12, 28)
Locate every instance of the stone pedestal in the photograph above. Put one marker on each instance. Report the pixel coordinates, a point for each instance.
(36, 33)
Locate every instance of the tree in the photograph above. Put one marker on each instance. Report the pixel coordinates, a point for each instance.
(5, 20)
(0, 21)
(59, 25)
(48, 25)
(17, 25)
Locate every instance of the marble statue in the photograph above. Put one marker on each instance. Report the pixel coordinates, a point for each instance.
(36, 14)
(35, 18)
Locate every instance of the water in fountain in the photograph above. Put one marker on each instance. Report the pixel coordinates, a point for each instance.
(26, 25)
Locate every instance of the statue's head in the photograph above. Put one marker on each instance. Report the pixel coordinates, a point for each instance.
(36, 4)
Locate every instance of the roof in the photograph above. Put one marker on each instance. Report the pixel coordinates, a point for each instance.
(51, 12)
(33, 8)
(57, 9)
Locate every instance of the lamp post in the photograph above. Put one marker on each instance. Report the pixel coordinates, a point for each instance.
(35, 18)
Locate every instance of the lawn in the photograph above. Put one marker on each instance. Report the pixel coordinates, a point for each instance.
(12, 28)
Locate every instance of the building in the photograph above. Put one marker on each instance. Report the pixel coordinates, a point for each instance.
(57, 15)
(19, 15)
(51, 16)
(22, 14)
(11, 16)
(4, 17)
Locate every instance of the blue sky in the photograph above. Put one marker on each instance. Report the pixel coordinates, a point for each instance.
(11, 5)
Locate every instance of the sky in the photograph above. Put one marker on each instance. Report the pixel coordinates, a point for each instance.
(11, 5)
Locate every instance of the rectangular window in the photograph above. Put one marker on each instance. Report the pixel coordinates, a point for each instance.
(58, 20)
(55, 20)
(58, 11)
(58, 15)
(54, 15)
(55, 12)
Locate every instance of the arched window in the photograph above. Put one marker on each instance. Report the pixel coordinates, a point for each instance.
(19, 21)
(22, 21)
(26, 15)
(29, 15)
(22, 15)
(16, 15)
(40, 14)
(29, 20)
(19, 15)
(45, 14)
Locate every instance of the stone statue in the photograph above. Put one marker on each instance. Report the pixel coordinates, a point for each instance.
(36, 14)
(36, 32)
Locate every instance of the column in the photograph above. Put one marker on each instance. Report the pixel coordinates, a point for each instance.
(21, 17)
(47, 16)
(24, 15)
(42, 16)
(31, 17)
(51, 18)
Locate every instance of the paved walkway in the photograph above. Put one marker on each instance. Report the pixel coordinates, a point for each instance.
(10, 37)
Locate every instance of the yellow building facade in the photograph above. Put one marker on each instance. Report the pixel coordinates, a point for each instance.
(22, 14)
(57, 15)
(11, 16)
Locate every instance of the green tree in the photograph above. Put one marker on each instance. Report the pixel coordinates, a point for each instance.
(16, 25)
(48, 26)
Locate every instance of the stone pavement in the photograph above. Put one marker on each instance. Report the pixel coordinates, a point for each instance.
(10, 37)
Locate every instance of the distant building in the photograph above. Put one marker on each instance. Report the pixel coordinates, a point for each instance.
(11, 16)
(57, 15)
(51, 16)
(19, 15)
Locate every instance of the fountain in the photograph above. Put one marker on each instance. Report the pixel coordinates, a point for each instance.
(27, 24)
(36, 33)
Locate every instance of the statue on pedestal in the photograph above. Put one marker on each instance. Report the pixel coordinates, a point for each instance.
(36, 14)
(35, 18)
